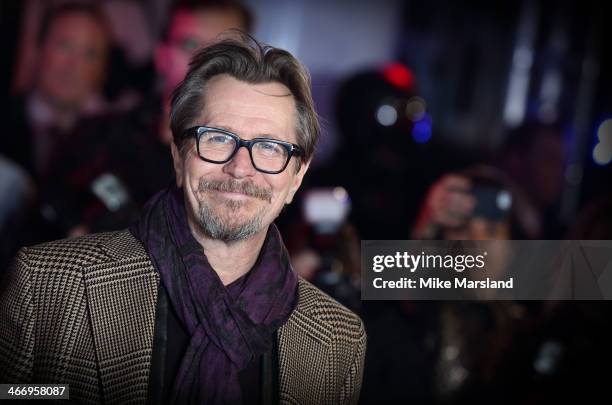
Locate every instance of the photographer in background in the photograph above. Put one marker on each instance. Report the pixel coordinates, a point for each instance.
(475, 204)
(325, 247)
(483, 348)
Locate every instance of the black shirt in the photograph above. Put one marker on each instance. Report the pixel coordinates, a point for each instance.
(258, 382)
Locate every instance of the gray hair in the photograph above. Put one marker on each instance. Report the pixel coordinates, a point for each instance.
(245, 59)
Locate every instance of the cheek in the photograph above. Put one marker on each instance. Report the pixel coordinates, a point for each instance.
(281, 198)
(53, 64)
(192, 172)
(184, 168)
(93, 70)
(282, 191)
(191, 180)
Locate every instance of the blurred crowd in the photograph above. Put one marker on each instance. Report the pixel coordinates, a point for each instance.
(81, 154)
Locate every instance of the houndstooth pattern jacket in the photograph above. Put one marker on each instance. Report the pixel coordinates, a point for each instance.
(81, 312)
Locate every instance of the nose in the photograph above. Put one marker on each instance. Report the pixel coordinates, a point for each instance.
(240, 166)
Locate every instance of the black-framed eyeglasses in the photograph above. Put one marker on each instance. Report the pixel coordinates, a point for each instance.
(217, 145)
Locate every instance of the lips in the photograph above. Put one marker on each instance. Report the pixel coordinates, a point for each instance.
(234, 195)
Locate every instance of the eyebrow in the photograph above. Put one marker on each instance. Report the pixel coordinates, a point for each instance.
(230, 129)
(224, 127)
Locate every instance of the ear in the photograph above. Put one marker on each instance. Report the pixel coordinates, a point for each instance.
(297, 181)
(178, 164)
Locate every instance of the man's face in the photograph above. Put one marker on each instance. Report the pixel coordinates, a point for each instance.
(73, 59)
(251, 200)
(189, 31)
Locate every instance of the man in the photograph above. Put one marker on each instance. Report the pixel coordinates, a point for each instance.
(70, 68)
(197, 303)
(133, 148)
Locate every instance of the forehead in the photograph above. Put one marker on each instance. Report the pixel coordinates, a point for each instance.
(202, 25)
(249, 109)
(78, 26)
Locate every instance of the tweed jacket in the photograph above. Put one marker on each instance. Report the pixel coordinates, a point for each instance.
(82, 312)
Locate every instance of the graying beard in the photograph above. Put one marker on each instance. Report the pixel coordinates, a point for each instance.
(215, 228)
(236, 186)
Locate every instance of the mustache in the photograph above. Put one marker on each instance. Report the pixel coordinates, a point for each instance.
(235, 186)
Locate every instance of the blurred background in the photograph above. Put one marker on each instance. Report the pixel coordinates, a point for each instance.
(441, 120)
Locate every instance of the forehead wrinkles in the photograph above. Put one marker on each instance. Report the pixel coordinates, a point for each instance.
(225, 111)
(220, 107)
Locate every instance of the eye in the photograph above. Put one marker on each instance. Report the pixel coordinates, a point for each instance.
(215, 138)
(269, 149)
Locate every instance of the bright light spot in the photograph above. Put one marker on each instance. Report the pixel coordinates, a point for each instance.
(602, 153)
(522, 58)
(504, 200)
(451, 352)
(399, 75)
(604, 132)
(415, 109)
(340, 194)
(386, 115)
(514, 110)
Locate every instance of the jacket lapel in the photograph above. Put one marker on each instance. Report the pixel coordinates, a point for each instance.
(121, 296)
(303, 350)
(121, 302)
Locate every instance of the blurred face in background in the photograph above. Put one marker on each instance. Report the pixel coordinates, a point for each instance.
(480, 228)
(189, 31)
(73, 59)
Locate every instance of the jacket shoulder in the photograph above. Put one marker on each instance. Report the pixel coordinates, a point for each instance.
(322, 308)
(83, 251)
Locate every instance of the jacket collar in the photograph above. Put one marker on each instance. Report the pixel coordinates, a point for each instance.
(122, 299)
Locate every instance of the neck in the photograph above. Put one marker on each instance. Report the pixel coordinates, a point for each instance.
(231, 260)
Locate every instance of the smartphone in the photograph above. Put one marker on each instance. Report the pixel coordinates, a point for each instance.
(492, 203)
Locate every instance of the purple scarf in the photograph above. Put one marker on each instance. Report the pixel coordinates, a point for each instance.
(229, 325)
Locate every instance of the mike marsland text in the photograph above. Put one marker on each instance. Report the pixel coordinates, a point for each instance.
(437, 283)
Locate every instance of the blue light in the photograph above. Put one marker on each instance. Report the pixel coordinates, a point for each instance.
(421, 131)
